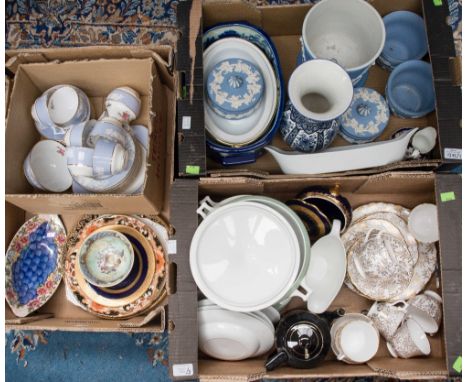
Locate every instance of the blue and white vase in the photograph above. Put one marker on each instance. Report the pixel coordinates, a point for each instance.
(366, 118)
(235, 88)
(349, 32)
(320, 91)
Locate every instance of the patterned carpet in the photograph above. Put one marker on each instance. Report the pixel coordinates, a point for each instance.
(58, 356)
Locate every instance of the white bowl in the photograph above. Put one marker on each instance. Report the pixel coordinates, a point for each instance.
(423, 223)
(245, 130)
(49, 165)
(63, 104)
(244, 256)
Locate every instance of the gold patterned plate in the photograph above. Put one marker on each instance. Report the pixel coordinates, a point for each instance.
(158, 282)
(378, 266)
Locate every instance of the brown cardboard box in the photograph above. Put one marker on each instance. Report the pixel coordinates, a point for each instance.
(96, 70)
(405, 188)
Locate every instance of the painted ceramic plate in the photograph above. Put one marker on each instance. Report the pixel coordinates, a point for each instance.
(33, 263)
(128, 307)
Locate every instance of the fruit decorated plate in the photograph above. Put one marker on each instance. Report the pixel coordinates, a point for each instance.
(33, 263)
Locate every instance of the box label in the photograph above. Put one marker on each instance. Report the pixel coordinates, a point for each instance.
(447, 196)
(192, 170)
(182, 370)
(437, 3)
(457, 365)
(186, 123)
(172, 247)
(453, 154)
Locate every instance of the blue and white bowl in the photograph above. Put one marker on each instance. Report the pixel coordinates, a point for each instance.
(410, 90)
(349, 32)
(406, 39)
(250, 152)
(366, 118)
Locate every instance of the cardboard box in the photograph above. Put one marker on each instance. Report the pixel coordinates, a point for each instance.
(284, 23)
(60, 314)
(405, 188)
(96, 70)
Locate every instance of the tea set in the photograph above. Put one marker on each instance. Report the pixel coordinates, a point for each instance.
(253, 253)
(114, 266)
(90, 156)
(326, 93)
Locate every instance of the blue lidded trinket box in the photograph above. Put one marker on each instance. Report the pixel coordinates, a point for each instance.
(366, 118)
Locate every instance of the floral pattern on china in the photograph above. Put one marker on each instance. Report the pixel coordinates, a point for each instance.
(366, 118)
(33, 264)
(109, 260)
(235, 88)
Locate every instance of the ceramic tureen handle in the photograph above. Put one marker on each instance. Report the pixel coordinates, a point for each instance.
(206, 206)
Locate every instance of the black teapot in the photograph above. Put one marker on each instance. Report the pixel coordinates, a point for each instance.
(302, 339)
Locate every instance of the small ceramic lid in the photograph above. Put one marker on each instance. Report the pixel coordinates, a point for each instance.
(366, 118)
(235, 87)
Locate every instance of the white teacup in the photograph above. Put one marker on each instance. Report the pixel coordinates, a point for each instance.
(387, 317)
(28, 172)
(109, 158)
(123, 103)
(77, 135)
(424, 140)
(67, 105)
(426, 310)
(409, 341)
(354, 338)
(108, 128)
(80, 161)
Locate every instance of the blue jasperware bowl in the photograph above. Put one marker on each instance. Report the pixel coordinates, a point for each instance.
(246, 154)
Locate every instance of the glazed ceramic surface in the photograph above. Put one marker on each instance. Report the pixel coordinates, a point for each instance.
(242, 131)
(234, 88)
(425, 140)
(409, 341)
(123, 104)
(366, 118)
(237, 256)
(77, 135)
(350, 33)
(232, 336)
(343, 158)
(387, 317)
(410, 90)
(106, 258)
(108, 128)
(319, 92)
(423, 223)
(326, 272)
(29, 174)
(49, 164)
(426, 310)
(128, 307)
(405, 39)
(80, 160)
(109, 158)
(249, 153)
(33, 261)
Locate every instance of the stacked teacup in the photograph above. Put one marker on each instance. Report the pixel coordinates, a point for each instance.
(404, 324)
(106, 155)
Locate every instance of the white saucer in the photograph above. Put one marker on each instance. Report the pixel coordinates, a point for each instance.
(246, 130)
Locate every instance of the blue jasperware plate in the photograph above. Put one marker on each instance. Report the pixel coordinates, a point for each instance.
(249, 153)
(33, 263)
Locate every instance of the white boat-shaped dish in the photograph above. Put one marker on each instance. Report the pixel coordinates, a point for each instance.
(346, 158)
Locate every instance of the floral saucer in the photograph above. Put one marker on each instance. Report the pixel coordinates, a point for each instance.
(33, 263)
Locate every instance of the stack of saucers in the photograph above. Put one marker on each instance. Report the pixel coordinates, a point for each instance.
(385, 261)
(116, 265)
(233, 336)
(244, 91)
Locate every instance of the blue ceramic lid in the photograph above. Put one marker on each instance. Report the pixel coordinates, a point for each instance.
(235, 87)
(366, 118)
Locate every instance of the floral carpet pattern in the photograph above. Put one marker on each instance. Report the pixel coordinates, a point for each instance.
(59, 356)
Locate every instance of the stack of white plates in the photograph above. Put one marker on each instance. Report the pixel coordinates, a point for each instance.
(233, 336)
(249, 253)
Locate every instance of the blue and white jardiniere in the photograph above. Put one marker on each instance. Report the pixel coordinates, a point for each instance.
(349, 32)
(235, 88)
(320, 91)
(366, 118)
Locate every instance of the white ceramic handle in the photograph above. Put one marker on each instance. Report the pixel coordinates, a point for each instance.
(340, 357)
(405, 304)
(298, 293)
(336, 228)
(206, 206)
